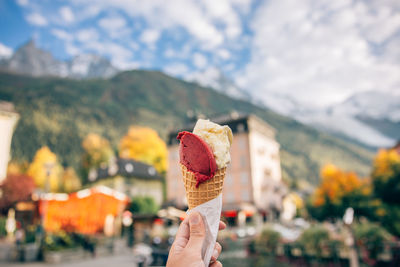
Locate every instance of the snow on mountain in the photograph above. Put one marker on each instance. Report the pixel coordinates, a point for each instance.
(31, 60)
(216, 79)
(90, 66)
(377, 105)
(348, 118)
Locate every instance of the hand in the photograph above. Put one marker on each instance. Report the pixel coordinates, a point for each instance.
(186, 249)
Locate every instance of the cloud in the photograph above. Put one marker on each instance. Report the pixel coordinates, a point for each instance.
(112, 23)
(176, 69)
(5, 51)
(72, 49)
(224, 54)
(67, 14)
(150, 36)
(199, 60)
(36, 19)
(23, 2)
(321, 50)
(87, 35)
(61, 34)
(208, 78)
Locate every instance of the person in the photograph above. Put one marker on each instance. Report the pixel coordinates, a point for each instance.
(186, 249)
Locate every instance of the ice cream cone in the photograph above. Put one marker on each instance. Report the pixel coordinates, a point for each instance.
(206, 191)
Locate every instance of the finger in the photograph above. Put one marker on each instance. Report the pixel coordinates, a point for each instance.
(217, 251)
(197, 231)
(181, 238)
(216, 264)
(222, 225)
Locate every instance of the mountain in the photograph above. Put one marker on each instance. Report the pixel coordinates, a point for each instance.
(60, 112)
(372, 118)
(33, 61)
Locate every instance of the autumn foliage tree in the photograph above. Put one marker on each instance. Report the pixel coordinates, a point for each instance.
(386, 176)
(16, 187)
(386, 184)
(70, 180)
(144, 144)
(339, 190)
(45, 170)
(97, 151)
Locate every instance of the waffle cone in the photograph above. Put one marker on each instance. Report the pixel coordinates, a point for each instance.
(206, 191)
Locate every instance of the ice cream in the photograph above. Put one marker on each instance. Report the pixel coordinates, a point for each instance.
(204, 155)
(218, 137)
(196, 156)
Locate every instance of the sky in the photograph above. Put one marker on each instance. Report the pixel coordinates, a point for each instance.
(317, 52)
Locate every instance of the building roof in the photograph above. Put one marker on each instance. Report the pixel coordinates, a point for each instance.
(126, 168)
(238, 122)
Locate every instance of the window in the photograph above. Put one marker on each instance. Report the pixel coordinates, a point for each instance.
(230, 197)
(242, 143)
(229, 180)
(245, 195)
(243, 161)
(244, 178)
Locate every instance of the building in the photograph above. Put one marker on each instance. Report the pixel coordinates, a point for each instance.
(130, 177)
(254, 174)
(8, 121)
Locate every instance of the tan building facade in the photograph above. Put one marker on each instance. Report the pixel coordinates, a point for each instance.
(253, 174)
(8, 121)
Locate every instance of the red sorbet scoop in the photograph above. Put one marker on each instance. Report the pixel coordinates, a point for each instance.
(196, 156)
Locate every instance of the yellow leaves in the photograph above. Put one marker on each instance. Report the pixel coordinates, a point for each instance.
(144, 144)
(70, 180)
(45, 169)
(336, 184)
(97, 151)
(383, 163)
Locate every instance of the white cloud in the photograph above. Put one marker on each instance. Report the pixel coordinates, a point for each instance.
(150, 36)
(224, 54)
(176, 69)
(72, 49)
(199, 60)
(209, 77)
(61, 34)
(5, 51)
(36, 19)
(112, 23)
(319, 50)
(87, 35)
(23, 2)
(67, 14)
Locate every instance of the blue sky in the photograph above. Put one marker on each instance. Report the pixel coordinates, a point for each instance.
(307, 50)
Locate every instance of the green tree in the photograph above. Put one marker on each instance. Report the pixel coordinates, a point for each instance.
(143, 205)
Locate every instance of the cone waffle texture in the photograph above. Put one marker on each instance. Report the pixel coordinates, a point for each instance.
(206, 191)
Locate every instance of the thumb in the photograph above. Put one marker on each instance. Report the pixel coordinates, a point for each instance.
(197, 231)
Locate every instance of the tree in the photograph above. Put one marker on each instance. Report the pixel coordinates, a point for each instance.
(143, 205)
(97, 151)
(45, 169)
(386, 176)
(144, 144)
(16, 187)
(70, 180)
(339, 190)
(386, 184)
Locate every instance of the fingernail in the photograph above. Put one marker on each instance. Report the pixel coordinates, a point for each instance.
(215, 254)
(194, 219)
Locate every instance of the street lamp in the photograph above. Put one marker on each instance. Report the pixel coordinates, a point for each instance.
(49, 168)
(348, 220)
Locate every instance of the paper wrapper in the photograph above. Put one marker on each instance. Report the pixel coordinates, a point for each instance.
(211, 213)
